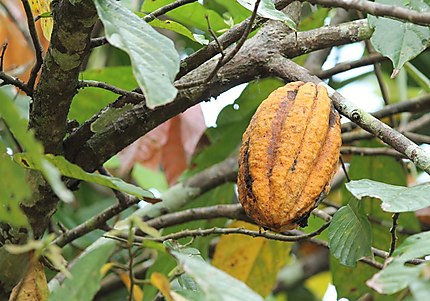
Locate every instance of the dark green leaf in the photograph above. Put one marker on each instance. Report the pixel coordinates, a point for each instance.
(154, 59)
(349, 236)
(398, 40)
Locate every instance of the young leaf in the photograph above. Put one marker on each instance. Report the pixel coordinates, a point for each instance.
(267, 10)
(154, 59)
(40, 8)
(86, 275)
(400, 41)
(394, 198)
(397, 276)
(349, 236)
(219, 286)
(73, 171)
(192, 15)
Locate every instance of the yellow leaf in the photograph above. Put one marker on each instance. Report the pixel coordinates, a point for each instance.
(34, 286)
(137, 291)
(255, 261)
(162, 283)
(318, 284)
(39, 7)
(106, 268)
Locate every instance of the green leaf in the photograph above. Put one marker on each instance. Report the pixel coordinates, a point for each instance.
(90, 100)
(191, 15)
(394, 198)
(74, 171)
(349, 236)
(398, 40)
(219, 286)
(397, 276)
(267, 10)
(147, 178)
(86, 275)
(18, 126)
(154, 59)
(13, 189)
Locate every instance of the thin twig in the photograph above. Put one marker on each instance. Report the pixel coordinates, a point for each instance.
(116, 90)
(294, 237)
(130, 263)
(371, 151)
(225, 59)
(36, 45)
(346, 66)
(95, 222)
(138, 240)
(393, 234)
(345, 171)
(10, 80)
(3, 51)
(163, 10)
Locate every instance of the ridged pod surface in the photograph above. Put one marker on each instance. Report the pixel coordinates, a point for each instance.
(289, 155)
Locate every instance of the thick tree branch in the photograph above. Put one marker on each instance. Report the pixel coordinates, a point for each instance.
(90, 150)
(70, 38)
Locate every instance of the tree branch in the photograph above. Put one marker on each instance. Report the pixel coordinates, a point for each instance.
(342, 67)
(69, 45)
(419, 104)
(377, 9)
(36, 45)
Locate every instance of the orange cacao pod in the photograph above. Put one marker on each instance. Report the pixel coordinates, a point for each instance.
(289, 155)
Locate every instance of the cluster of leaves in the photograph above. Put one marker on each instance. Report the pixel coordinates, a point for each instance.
(181, 272)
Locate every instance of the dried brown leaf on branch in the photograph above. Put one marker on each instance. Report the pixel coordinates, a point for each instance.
(168, 147)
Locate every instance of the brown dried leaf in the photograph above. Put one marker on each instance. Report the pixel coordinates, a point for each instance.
(169, 146)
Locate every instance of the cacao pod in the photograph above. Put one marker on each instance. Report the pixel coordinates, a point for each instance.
(288, 156)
